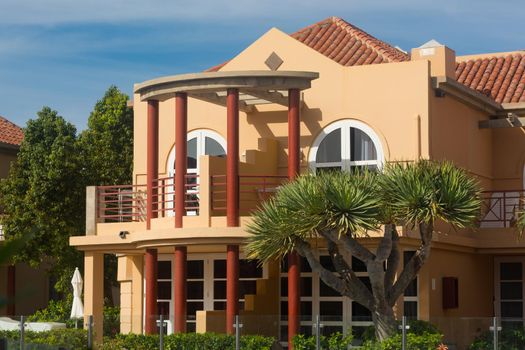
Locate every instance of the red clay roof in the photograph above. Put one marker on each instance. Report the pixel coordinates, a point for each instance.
(10, 133)
(501, 77)
(346, 44)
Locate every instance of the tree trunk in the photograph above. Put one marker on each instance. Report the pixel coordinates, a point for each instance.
(385, 323)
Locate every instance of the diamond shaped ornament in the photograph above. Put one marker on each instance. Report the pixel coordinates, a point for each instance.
(273, 61)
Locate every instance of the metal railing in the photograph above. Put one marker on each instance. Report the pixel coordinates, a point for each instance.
(128, 203)
(253, 190)
(500, 208)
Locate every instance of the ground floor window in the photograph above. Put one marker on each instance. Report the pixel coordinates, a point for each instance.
(337, 313)
(509, 289)
(206, 285)
(410, 297)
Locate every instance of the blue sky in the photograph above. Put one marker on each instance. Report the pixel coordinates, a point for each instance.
(66, 53)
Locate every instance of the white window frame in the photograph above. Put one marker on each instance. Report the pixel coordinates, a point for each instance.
(346, 164)
(497, 280)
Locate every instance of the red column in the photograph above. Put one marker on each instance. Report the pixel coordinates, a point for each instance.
(152, 161)
(11, 289)
(232, 158)
(294, 268)
(232, 287)
(151, 291)
(181, 152)
(180, 289)
(294, 134)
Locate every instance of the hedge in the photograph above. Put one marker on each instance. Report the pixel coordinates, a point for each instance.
(69, 338)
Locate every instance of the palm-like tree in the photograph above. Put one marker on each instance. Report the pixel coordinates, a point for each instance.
(340, 208)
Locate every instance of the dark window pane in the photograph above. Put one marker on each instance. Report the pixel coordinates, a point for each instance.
(305, 266)
(329, 150)
(219, 290)
(512, 309)
(164, 270)
(191, 327)
(410, 309)
(283, 334)
(284, 265)
(358, 265)
(327, 330)
(326, 261)
(511, 271)
(284, 310)
(195, 269)
(362, 147)
(213, 148)
(306, 310)
(305, 330)
(250, 269)
(192, 153)
(192, 307)
(331, 308)
(195, 290)
(163, 308)
(411, 290)
(164, 290)
(219, 269)
(326, 291)
(284, 286)
(357, 333)
(306, 286)
(511, 290)
(219, 305)
(360, 313)
(247, 287)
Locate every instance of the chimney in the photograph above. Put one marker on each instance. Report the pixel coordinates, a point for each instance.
(442, 59)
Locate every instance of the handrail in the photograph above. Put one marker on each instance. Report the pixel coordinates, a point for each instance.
(500, 208)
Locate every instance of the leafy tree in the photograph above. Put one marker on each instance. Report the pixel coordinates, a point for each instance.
(341, 208)
(43, 194)
(107, 144)
(107, 152)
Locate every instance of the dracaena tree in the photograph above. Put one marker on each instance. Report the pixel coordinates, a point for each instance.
(341, 208)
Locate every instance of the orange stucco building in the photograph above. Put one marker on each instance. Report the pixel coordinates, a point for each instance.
(327, 96)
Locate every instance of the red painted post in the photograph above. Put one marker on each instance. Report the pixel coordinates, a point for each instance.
(151, 291)
(232, 287)
(152, 161)
(180, 289)
(232, 158)
(294, 268)
(294, 133)
(181, 152)
(11, 290)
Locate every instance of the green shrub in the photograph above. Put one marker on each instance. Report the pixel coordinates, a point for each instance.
(509, 339)
(111, 321)
(69, 338)
(55, 311)
(335, 341)
(187, 341)
(420, 336)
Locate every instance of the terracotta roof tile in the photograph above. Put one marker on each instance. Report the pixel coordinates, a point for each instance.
(10, 133)
(501, 77)
(347, 44)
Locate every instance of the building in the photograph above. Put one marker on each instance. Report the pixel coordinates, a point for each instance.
(30, 286)
(327, 96)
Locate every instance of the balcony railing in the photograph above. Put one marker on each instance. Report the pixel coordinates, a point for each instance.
(253, 190)
(127, 203)
(500, 208)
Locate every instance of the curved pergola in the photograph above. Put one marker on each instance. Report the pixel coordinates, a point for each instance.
(237, 90)
(254, 87)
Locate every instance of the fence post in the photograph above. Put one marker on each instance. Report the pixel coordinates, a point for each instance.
(90, 332)
(22, 331)
(404, 327)
(318, 332)
(161, 333)
(494, 328)
(237, 327)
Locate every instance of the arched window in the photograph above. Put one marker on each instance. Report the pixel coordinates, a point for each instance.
(346, 145)
(200, 142)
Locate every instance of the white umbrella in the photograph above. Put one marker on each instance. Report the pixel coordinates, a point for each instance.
(77, 311)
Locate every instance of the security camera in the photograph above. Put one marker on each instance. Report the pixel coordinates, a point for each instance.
(122, 234)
